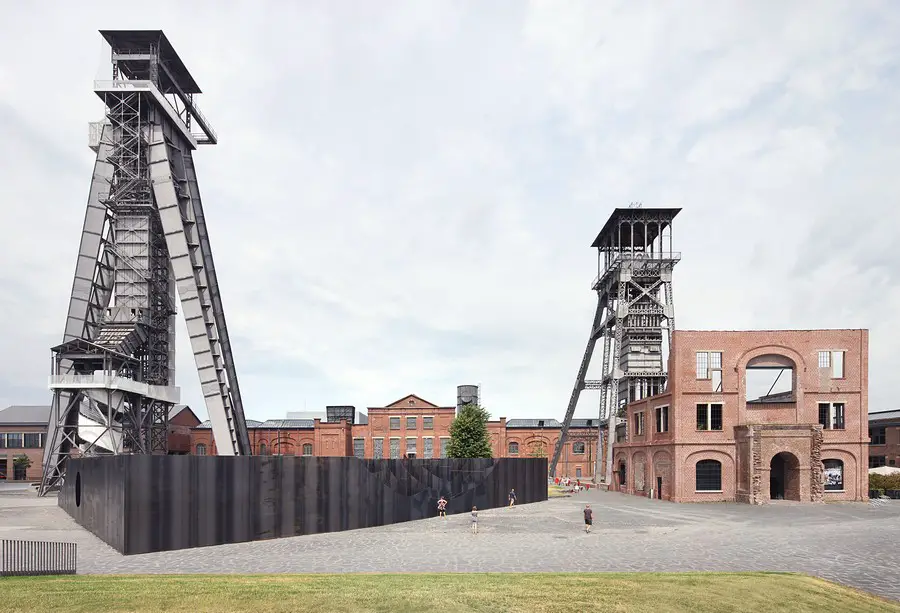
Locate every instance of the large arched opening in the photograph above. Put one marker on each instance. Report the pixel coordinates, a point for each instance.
(784, 477)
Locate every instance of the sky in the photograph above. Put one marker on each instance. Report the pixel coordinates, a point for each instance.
(404, 194)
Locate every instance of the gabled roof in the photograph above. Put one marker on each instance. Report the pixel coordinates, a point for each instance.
(178, 408)
(874, 417)
(404, 402)
(25, 415)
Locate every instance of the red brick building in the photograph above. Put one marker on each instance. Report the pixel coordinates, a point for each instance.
(411, 427)
(709, 438)
(884, 438)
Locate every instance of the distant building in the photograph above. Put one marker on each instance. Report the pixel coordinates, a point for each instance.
(884, 438)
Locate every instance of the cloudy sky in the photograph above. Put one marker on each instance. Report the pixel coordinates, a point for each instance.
(403, 197)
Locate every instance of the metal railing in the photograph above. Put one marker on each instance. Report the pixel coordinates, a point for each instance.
(638, 256)
(31, 558)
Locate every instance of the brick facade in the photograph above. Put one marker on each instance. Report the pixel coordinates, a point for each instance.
(413, 425)
(759, 449)
(884, 435)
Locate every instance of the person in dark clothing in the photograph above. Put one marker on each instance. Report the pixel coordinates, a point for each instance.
(512, 497)
(588, 518)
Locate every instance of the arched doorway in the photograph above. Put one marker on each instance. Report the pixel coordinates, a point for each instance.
(784, 477)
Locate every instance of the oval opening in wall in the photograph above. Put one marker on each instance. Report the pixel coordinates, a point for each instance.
(78, 489)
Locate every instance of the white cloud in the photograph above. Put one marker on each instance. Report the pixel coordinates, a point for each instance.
(403, 198)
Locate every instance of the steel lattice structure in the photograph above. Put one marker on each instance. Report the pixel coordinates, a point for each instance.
(635, 317)
(144, 235)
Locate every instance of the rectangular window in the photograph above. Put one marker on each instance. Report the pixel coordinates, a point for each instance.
(410, 423)
(877, 436)
(709, 416)
(638, 423)
(395, 448)
(578, 472)
(662, 419)
(428, 423)
(14, 440)
(833, 360)
(702, 365)
(709, 367)
(359, 448)
(2, 440)
(445, 444)
(32, 440)
(831, 415)
(428, 449)
(410, 447)
(824, 359)
(876, 461)
(395, 423)
(378, 448)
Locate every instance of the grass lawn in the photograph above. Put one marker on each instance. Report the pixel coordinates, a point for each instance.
(500, 592)
(555, 491)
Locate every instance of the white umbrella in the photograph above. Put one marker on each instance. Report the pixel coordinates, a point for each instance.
(884, 470)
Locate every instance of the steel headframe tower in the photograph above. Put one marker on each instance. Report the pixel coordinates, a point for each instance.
(144, 235)
(635, 317)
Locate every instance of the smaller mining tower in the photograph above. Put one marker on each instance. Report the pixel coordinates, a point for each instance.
(635, 317)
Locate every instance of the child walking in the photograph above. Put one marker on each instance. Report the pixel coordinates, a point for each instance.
(512, 497)
(442, 507)
(474, 520)
(588, 518)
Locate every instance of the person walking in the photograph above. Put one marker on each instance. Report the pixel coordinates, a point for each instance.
(588, 518)
(512, 497)
(474, 520)
(442, 507)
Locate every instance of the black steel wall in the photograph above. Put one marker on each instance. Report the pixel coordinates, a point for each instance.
(175, 502)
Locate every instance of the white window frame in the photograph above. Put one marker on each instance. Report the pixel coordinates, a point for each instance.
(374, 447)
(431, 417)
(834, 360)
(399, 419)
(391, 448)
(363, 446)
(659, 421)
(415, 419)
(445, 443)
(709, 406)
(712, 374)
(303, 450)
(832, 415)
(415, 441)
(583, 448)
(425, 454)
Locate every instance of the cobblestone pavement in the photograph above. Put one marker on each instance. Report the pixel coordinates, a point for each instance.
(852, 543)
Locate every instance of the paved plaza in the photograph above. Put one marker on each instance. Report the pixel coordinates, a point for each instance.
(852, 543)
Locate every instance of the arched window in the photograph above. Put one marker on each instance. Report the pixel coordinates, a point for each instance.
(201, 449)
(513, 448)
(622, 473)
(307, 449)
(578, 447)
(709, 476)
(263, 450)
(834, 475)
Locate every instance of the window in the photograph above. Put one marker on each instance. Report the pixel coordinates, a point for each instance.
(411, 448)
(578, 472)
(428, 423)
(359, 448)
(831, 415)
(33, 440)
(262, 449)
(709, 476)
(834, 475)
(445, 444)
(662, 419)
(709, 366)
(833, 360)
(410, 423)
(378, 448)
(876, 460)
(201, 449)
(308, 448)
(3, 440)
(395, 448)
(513, 448)
(709, 416)
(428, 451)
(395, 423)
(622, 473)
(14, 440)
(639, 423)
(578, 448)
(877, 436)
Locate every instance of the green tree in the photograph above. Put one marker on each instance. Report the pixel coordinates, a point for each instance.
(468, 434)
(22, 461)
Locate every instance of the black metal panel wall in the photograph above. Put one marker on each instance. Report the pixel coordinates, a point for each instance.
(160, 503)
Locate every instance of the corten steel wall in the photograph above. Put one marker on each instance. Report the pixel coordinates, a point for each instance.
(140, 504)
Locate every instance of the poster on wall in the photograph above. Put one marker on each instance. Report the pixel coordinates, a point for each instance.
(834, 477)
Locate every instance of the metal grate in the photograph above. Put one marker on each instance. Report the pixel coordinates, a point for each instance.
(31, 558)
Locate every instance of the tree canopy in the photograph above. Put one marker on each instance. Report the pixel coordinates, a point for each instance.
(468, 434)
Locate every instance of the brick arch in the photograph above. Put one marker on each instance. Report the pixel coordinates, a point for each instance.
(661, 466)
(851, 473)
(621, 458)
(514, 439)
(533, 445)
(781, 351)
(689, 475)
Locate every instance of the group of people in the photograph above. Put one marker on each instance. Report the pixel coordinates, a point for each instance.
(442, 511)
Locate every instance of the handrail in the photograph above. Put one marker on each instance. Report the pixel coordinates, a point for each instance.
(637, 256)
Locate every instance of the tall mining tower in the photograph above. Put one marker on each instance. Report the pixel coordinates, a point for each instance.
(635, 317)
(144, 235)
